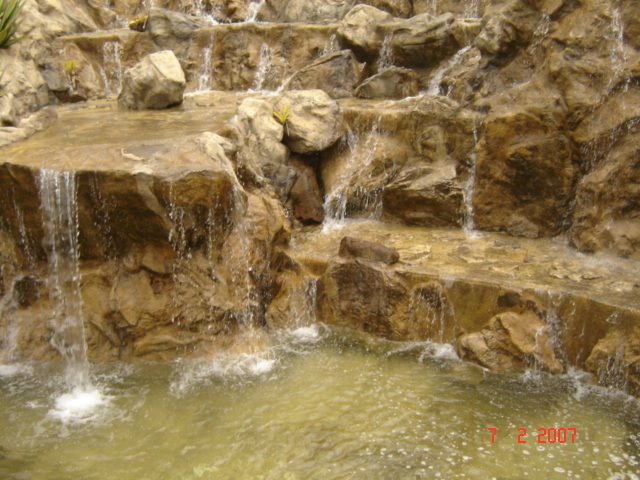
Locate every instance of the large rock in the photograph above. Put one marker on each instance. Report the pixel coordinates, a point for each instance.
(172, 30)
(525, 172)
(392, 82)
(351, 247)
(261, 153)
(512, 341)
(421, 41)
(506, 25)
(314, 121)
(306, 195)
(360, 30)
(425, 194)
(156, 82)
(308, 11)
(606, 213)
(615, 359)
(336, 73)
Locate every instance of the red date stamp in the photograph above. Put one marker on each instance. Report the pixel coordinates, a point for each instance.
(543, 436)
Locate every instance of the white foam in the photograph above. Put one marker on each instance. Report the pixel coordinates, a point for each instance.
(78, 406)
(309, 334)
(14, 369)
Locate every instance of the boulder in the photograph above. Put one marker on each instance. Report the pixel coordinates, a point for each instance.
(314, 121)
(351, 247)
(336, 73)
(260, 150)
(421, 41)
(172, 30)
(360, 295)
(306, 11)
(306, 195)
(511, 341)
(397, 8)
(425, 194)
(506, 25)
(156, 82)
(615, 359)
(524, 168)
(607, 214)
(359, 30)
(392, 82)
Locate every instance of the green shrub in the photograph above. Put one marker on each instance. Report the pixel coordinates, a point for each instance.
(9, 12)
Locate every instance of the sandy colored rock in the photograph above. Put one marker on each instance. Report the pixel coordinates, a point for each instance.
(156, 82)
(337, 74)
(421, 41)
(392, 82)
(306, 195)
(525, 173)
(314, 120)
(360, 31)
(606, 214)
(511, 341)
(355, 247)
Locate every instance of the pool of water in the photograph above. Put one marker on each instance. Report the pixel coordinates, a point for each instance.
(314, 403)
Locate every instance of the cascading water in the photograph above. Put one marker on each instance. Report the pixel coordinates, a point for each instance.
(332, 46)
(469, 225)
(111, 70)
(253, 9)
(434, 83)
(60, 220)
(264, 67)
(205, 77)
(472, 8)
(618, 54)
(359, 158)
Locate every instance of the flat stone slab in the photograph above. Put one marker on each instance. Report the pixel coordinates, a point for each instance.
(450, 254)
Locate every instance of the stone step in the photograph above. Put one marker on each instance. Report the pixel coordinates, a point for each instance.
(451, 286)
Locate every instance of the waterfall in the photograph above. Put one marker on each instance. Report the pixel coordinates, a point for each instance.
(386, 54)
(264, 67)
(361, 153)
(201, 11)
(469, 225)
(471, 9)
(618, 54)
(540, 33)
(433, 7)
(434, 83)
(332, 46)
(60, 221)
(204, 79)
(253, 9)
(111, 70)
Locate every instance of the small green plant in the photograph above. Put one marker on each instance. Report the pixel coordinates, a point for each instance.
(9, 12)
(282, 116)
(72, 68)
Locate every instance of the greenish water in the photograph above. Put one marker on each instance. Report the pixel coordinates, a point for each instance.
(316, 404)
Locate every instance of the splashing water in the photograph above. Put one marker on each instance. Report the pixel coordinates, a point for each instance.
(201, 11)
(111, 70)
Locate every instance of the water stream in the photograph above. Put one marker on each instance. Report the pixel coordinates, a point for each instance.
(111, 70)
(318, 403)
(263, 70)
(60, 220)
